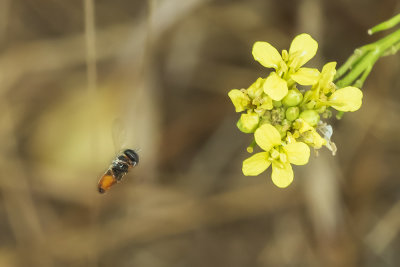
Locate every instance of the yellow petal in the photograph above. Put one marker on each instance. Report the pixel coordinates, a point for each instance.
(298, 153)
(282, 174)
(302, 49)
(302, 126)
(306, 76)
(248, 122)
(266, 103)
(275, 87)
(346, 99)
(267, 136)
(239, 99)
(318, 141)
(327, 74)
(256, 89)
(256, 164)
(266, 54)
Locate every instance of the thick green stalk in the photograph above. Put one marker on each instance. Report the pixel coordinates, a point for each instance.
(364, 58)
(356, 69)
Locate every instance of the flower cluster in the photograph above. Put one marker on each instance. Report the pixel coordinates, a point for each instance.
(284, 110)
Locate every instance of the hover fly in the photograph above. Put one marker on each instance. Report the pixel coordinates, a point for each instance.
(120, 166)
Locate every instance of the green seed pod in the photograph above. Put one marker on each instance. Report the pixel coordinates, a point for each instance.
(310, 116)
(292, 113)
(293, 98)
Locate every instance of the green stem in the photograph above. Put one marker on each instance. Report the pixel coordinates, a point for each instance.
(350, 62)
(360, 82)
(364, 58)
(250, 148)
(385, 25)
(393, 50)
(366, 62)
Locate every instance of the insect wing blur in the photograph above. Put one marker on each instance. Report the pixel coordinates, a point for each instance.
(120, 166)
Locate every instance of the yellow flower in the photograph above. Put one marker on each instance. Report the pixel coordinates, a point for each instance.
(277, 154)
(275, 87)
(346, 99)
(239, 99)
(326, 78)
(256, 89)
(252, 98)
(308, 134)
(302, 49)
(259, 99)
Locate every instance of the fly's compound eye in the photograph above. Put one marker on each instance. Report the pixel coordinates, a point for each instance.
(132, 155)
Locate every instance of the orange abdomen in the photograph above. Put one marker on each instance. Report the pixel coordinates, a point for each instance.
(106, 181)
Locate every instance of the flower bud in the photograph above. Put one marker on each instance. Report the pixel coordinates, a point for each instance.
(248, 122)
(310, 116)
(277, 104)
(292, 113)
(293, 98)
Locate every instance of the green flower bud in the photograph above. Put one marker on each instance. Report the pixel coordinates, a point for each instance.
(292, 113)
(248, 122)
(277, 104)
(293, 98)
(310, 116)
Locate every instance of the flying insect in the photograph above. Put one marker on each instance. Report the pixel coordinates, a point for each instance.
(120, 166)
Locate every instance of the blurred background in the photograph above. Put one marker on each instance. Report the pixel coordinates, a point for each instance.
(154, 75)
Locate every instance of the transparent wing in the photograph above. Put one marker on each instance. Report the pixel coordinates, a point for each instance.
(119, 135)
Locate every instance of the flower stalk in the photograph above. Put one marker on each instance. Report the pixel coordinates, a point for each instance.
(356, 69)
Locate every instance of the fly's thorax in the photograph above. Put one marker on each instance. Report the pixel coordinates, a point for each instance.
(120, 167)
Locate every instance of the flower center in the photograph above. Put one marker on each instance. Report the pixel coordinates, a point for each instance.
(274, 154)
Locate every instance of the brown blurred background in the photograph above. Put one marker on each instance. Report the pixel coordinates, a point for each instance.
(163, 72)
